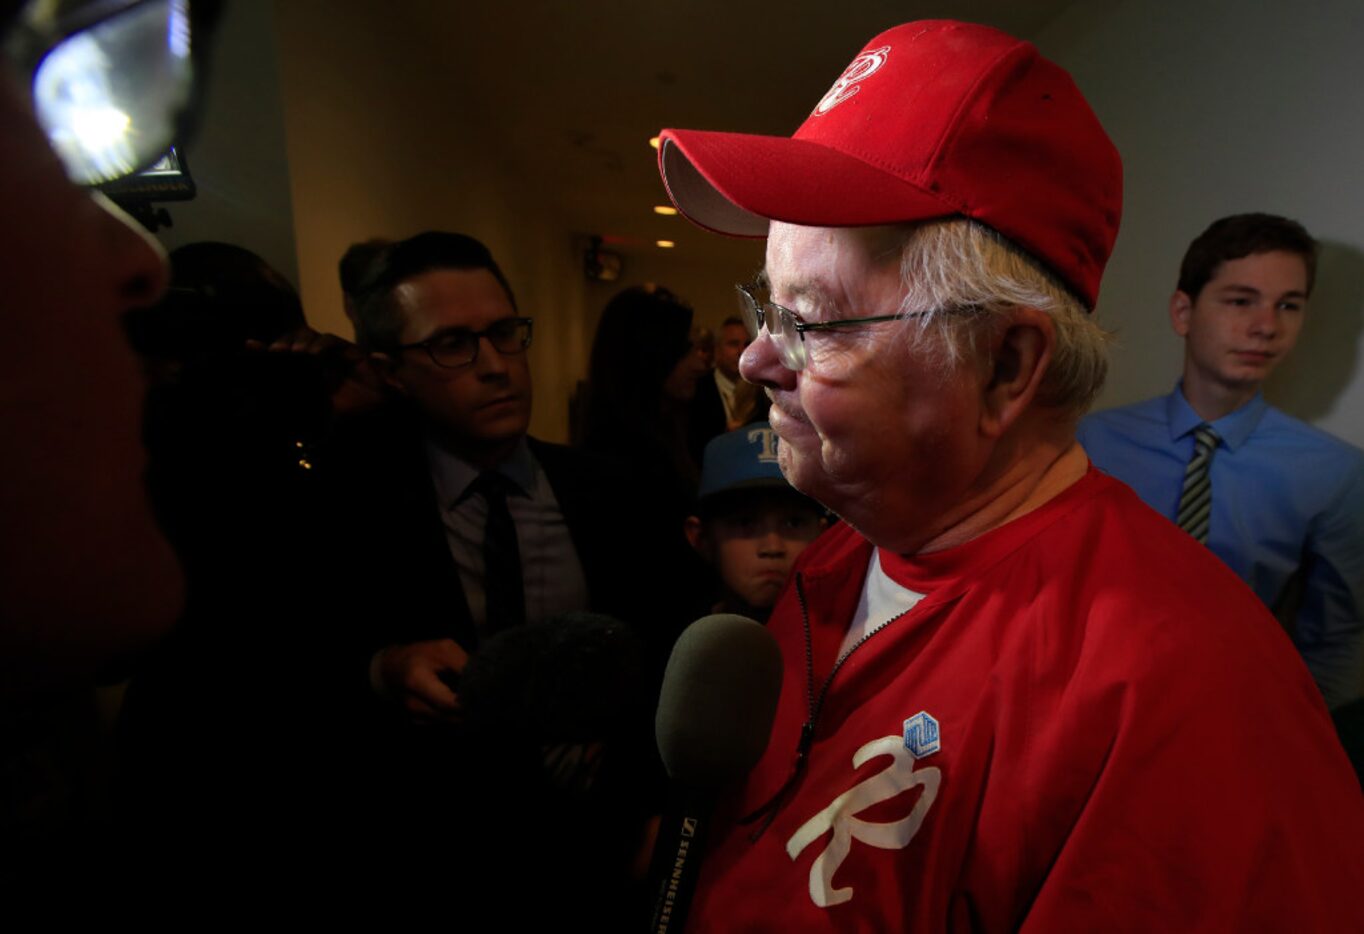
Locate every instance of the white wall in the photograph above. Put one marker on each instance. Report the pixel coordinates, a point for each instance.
(1221, 107)
(238, 159)
(705, 284)
(377, 148)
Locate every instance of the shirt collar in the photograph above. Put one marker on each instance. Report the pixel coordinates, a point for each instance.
(452, 474)
(1233, 428)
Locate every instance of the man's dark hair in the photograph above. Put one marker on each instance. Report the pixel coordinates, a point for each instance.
(379, 318)
(733, 320)
(1243, 235)
(643, 332)
(355, 264)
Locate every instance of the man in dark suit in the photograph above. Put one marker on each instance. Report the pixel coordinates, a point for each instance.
(480, 528)
(460, 542)
(723, 400)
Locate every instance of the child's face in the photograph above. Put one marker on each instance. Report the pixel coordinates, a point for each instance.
(754, 546)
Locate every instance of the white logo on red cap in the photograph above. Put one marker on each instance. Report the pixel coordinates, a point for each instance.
(862, 67)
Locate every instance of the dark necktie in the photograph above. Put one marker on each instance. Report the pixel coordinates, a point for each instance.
(502, 584)
(1195, 500)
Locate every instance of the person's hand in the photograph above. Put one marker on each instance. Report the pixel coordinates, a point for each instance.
(421, 677)
(356, 383)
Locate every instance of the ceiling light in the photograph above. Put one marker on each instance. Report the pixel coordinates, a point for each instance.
(667, 210)
(653, 141)
(666, 244)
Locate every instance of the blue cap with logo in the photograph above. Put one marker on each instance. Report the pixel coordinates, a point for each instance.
(742, 459)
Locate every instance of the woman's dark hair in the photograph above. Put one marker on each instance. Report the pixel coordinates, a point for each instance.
(354, 267)
(644, 331)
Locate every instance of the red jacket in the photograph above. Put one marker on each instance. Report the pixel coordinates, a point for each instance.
(1088, 724)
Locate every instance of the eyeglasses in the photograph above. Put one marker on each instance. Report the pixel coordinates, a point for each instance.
(459, 348)
(787, 328)
(113, 81)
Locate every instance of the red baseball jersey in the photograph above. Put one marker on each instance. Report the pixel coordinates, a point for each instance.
(1089, 723)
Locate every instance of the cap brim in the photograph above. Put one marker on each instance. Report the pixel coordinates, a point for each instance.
(753, 483)
(734, 183)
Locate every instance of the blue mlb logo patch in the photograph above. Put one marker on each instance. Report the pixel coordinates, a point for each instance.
(921, 735)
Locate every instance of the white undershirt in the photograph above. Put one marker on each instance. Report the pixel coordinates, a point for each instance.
(882, 600)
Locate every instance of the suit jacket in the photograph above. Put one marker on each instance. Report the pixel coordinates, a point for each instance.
(705, 416)
(395, 582)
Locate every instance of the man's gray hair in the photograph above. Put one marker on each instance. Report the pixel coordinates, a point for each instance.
(971, 276)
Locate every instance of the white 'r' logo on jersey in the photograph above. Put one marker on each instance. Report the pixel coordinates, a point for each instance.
(862, 67)
(899, 776)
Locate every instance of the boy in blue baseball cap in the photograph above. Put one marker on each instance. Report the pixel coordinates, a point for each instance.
(749, 524)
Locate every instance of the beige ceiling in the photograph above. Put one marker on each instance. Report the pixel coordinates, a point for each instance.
(568, 93)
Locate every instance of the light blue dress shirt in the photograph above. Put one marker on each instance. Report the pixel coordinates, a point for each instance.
(1286, 496)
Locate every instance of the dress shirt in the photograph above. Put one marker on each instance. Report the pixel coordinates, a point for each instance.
(550, 567)
(1286, 498)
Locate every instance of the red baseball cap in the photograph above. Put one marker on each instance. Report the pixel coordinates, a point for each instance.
(932, 119)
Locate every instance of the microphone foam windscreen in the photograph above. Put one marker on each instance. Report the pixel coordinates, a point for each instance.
(718, 700)
(576, 678)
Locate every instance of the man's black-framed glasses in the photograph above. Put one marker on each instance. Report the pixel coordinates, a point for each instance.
(458, 348)
(787, 328)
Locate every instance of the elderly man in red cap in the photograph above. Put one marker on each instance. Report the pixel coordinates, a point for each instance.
(1014, 696)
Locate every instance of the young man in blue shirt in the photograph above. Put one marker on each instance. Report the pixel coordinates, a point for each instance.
(1278, 500)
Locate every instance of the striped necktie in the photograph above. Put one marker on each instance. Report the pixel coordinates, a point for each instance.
(1195, 500)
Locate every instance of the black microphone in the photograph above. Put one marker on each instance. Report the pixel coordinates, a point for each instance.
(560, 690)
(715, 713)
(548, 769)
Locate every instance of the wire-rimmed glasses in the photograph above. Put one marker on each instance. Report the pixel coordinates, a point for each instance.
(787, 328)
